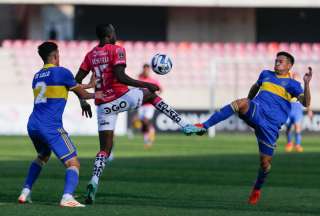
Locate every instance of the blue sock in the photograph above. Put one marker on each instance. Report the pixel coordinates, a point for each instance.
(33, 174)
(71, 180)
(298, 138)
(224, 113)
(262, 175)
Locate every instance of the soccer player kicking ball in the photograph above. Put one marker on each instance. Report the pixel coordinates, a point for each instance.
(50, 87)
(108, 61)
(265, 110)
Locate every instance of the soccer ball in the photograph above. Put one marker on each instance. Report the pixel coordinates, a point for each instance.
(161, 64)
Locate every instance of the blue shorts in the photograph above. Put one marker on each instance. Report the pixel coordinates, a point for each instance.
(57, 140)
(296, 114)
(266, 133)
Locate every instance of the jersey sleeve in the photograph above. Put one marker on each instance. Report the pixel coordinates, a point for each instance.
(296, 89)
(119, 56)
(261, 77)
(86, 64)
(68, 79)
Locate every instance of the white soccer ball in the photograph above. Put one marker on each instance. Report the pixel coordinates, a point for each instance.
(161, 64)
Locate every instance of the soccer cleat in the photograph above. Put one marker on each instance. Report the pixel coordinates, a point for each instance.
(70, 202)
(298, 148)
(199, 125)
(289, 147)
(254, 197)
(91, 192)
(191, 129)
(25, 196)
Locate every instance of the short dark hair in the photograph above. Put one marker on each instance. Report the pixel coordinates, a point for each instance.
(288, 55)
(146, 65)
(46, 48)
(103, 30)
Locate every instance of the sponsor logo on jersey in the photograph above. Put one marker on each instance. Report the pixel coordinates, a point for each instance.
(120, 53)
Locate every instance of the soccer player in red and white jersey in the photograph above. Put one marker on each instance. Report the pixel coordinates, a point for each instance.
(146, 111)
(108, 62)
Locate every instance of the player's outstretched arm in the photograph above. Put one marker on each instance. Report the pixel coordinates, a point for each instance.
(86, 108)
(122, 77)
(82, 93)
(91, 84)
(305, 99)
(253, 91)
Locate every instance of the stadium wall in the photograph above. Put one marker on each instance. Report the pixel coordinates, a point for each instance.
(211, 24)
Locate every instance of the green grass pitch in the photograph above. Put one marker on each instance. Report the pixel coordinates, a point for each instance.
(179, 176)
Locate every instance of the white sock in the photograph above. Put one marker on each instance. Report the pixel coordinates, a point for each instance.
(67, 196)
(25, 190)
(171, 113)
(98, 166)
(95, 179)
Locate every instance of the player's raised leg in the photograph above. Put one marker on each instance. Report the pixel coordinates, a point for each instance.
(162, 106)
(240, 106)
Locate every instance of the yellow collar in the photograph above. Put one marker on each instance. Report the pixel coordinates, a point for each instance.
(46, 66)
(283, 76)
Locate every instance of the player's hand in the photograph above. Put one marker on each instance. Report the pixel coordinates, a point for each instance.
(152, 87)
(310, 113)
(307, 76)
(86, 108)
(99, 95)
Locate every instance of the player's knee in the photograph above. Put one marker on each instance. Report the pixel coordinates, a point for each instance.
(148, 96)
(265, 166)
(241, 105)
(297, 128)
(42, 159)
(73, 162)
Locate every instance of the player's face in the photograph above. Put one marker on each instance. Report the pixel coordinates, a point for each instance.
(146, 71)
(282, 64)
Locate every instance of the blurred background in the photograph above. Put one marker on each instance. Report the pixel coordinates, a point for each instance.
(218, 49)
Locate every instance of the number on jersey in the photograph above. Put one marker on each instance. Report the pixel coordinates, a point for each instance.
(41, 98)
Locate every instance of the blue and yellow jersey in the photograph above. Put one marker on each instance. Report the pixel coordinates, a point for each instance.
(50, 88)
(275, 95)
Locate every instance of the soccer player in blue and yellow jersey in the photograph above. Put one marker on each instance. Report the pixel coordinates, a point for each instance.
(266, 109)
(50, 87)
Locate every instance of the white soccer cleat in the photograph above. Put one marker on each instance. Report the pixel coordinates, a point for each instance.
(70, 202)
(25, 196)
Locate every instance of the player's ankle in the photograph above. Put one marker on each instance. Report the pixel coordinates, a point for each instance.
(67, 196)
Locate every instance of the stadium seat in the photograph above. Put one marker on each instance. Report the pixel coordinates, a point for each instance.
(236, 66)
